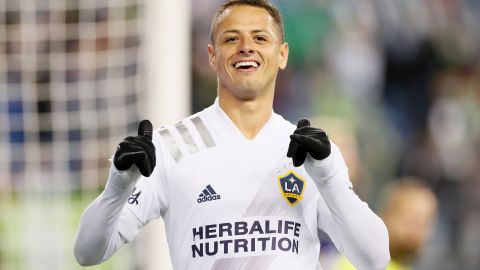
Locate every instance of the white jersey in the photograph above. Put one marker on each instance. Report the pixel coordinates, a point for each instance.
(233, 203)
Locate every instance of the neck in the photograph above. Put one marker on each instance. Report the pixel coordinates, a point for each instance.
(249, 115)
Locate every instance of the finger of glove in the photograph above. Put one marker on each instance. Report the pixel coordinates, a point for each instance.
(136, 151)
(318, 149)
(124, 159)
(322, 152)
(145, 166)
(150, 150)
(297, 153)
(311, 131)
(122, 149)
(299, 156)
(140, 140)
(305, 141)
(146, 145)
(320, 136)
(292, 147)
(302, 130)
(145, 129)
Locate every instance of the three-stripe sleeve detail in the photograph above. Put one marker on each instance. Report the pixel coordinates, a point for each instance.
(186, 137)
(172, 145)
(203, 131)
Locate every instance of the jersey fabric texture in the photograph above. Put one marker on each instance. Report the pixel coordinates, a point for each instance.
(233, 203)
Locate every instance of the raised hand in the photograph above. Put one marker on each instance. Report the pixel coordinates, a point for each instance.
(138, 150)
(306, 139)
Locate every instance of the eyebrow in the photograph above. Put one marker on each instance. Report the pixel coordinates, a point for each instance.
(235, 31)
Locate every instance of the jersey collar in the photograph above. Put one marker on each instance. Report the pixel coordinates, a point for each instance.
(231, 130)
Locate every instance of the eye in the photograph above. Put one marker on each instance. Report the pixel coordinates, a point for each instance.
(230, 39)
(260, 38)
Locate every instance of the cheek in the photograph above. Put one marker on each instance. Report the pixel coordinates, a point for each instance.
(219, 62)
(270, 61)
(275, 59)
(222, 61)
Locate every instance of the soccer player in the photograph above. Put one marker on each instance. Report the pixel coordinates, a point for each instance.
(238, 186)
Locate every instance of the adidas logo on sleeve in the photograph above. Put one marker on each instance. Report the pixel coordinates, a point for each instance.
(208, 194)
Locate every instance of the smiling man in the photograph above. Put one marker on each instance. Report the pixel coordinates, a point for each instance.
(247, 50)
(238, 186)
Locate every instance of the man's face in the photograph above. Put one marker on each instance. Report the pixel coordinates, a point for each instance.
(410, 224)
(247, 51)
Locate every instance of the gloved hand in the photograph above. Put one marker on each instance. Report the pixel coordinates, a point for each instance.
(138, 150)
(306, 139)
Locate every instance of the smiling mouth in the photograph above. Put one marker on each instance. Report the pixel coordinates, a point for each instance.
(246, 65)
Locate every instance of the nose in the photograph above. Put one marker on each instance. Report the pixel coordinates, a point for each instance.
(246, 48)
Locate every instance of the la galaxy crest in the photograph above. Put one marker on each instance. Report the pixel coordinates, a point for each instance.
(291, 186)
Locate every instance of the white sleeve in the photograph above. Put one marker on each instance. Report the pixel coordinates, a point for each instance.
(354, 228)
(98, 229)
(116, 216)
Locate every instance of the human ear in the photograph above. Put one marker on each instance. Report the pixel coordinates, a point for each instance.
(211, 56)
(283, 56)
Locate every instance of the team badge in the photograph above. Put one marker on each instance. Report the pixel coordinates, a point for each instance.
(292, 187)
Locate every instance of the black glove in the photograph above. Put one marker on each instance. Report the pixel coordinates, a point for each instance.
(306, 139)
(138, 150)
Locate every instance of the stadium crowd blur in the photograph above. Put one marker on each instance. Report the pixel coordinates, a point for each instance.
(398, 83)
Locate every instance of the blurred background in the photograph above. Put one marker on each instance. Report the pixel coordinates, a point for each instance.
(395, 83)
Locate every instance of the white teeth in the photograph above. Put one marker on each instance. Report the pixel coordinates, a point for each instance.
(246, 63)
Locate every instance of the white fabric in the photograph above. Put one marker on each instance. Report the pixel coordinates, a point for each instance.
(249, 225)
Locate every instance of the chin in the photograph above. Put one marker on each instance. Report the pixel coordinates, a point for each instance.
(244, 89)
(247, 96)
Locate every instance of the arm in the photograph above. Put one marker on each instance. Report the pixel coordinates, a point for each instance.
(354, 228)
(99, 236)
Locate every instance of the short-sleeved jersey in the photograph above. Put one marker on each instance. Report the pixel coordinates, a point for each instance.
(229, 202)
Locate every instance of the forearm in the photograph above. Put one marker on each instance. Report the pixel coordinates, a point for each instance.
(97, 236)
(360, 233)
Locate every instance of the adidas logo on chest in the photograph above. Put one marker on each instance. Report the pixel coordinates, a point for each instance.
(208, 194)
